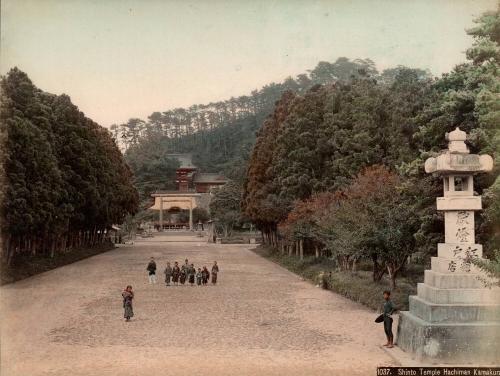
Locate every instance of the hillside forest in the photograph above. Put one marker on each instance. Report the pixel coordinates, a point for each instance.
(330, 163)
(327, 164)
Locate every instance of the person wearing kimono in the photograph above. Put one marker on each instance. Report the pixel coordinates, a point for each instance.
(183, 276)
(191, 274)
(215, 271)
(176, 271)
(151, 268)
(184, 272)
(205, 275)
(128, 295)
(199, 277)
(168, 274)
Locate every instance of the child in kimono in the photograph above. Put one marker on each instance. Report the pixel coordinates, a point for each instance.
(151, 268)
(184, 272)
(128, 295)
(183, 275)
(205, 275)
(199, 277)
(176, 271)
(215, 271)
(192, 274)
(168, 274)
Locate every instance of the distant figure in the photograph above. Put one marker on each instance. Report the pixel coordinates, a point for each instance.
(205, 275)
(215, 270)
(151, 268)
(199, 277)
(176, 271)
(192, 274)
(184, 271)
(128, 295)
(388, 310)
(183, 276)
(168, 274)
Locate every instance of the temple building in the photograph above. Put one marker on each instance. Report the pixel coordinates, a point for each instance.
(188, 178)
(194, 190)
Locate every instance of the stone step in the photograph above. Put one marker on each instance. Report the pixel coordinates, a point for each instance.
(453, 313)
(449, 266)
(452, 280)
(474, 342)
(454, 251)
(458, 296)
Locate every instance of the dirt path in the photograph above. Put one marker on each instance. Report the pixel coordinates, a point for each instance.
(260, 320)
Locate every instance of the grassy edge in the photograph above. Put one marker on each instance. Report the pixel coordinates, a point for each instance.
(357, 286)
(27, 267)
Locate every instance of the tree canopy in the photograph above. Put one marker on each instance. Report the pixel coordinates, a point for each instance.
(323, 144)
(66, 180)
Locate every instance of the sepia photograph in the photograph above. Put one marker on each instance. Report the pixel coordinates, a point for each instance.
(249, 187)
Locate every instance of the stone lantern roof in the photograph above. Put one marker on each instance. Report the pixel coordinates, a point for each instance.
(456, 141)
(456, 159)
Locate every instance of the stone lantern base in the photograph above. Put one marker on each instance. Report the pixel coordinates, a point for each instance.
(477, 343)
(453, 319)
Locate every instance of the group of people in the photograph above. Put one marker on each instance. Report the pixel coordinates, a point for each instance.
(175, 275)
(186, 273)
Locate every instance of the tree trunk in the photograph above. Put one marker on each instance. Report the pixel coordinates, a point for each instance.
(392, 275)
(354, 264)
(378, 270)
(301, 249)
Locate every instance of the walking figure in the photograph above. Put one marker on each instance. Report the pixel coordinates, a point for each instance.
(176, 271)
(128, 295)
(168, 274)
(215, 270)
(151, 268)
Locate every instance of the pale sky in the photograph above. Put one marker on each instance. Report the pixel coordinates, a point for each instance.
(118, 59)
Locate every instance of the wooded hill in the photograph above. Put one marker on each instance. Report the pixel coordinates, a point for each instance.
(338, 170)
(221, 135)
(65, 181)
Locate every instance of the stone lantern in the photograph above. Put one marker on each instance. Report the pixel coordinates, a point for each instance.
(454, 317)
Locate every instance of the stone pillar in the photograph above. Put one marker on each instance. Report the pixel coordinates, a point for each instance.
(454, 318)
(191, 215)
(161, 214)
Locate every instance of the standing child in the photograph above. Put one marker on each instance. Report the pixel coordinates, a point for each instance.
(182, 277)
(184, 271)
(151, 268)
(176, 271)
(168, 274)
(388, 310)
(215, 271)
(199, 277)
(192, 274)
(205, 275)
(128, 295)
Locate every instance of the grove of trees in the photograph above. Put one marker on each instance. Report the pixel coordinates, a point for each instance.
(338, 169)
(220, 135)
(65, 181)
